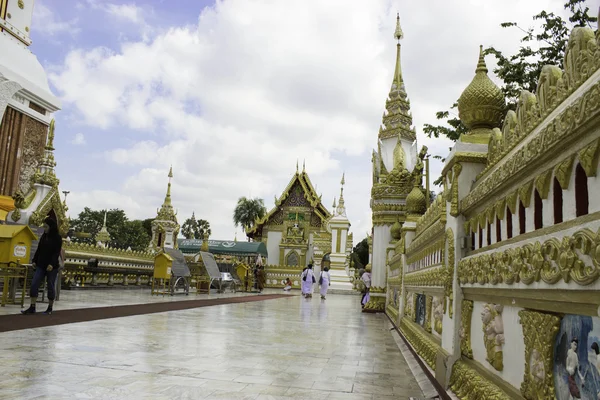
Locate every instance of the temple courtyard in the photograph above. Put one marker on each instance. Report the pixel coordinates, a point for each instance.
(282, 348)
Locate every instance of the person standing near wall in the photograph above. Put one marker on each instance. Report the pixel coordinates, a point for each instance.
(46, 264)
(308, 279)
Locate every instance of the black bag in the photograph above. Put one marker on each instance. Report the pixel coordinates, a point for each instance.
(321, 279)
(304, 278)
(314, 279)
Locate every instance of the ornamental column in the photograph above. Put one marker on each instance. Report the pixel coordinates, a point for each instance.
(339, 225)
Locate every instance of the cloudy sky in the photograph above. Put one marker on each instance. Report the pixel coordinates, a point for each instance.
(232, 93)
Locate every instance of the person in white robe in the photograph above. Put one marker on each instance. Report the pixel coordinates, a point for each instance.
(366, 278)
(308, 279)
(325, 282)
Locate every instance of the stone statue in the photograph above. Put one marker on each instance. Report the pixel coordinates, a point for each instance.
(493, 334)
(420, 166)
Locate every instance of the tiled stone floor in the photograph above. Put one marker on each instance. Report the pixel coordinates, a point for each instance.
(290, 348)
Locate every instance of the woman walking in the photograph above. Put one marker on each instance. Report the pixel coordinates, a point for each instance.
(308, 279)
(46, 264)
(325, 282)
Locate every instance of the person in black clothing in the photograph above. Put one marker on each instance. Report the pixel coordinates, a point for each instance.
(45, 262)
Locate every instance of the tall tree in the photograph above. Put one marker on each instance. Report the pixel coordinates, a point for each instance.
(360, 253)
(124, 233)
(247, 211)
(195, 229)
(540, 46)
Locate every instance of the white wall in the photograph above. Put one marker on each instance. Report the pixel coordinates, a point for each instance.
(514, 347)
(273, 241)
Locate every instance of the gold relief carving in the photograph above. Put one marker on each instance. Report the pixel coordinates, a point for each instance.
(438, 313)
(525, 192)
(375, 304)
(547, 89)
(34, 141)
(562, 172)
(436, 211)
(428, 307)
(414, 307)
(449, 278)
(527, 113)
(509, 132)
(500, 208)
(542, 183)
(454, 203)
(78, 249)
(51, 202)
(588, 158)
(21, 4)
(385, 219)
(493, 334)
(575, 257)
(426, 236)
(426, 347)
(539, 334)
(495, 146)
(430, 277)
(408, 304)
(468, 384)
(511, 201)
(574, 116)
(580, 56)
(465, 328)
(388, 207)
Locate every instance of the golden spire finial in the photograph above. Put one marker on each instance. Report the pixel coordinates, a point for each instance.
(481, 67)
(343, 182)
(398, 34)
(398, 82)
(334, 205)
(304, 165)
(171, 172)
(296, 165)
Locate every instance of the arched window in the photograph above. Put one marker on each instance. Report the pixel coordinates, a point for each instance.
(489, 234)
(480, 238)
(538, 215)
(292, 259)
(498, 230)
(582, 201)
(557, 201)
(522, 220)
(472, 241)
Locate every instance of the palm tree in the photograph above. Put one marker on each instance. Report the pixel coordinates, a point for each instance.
(247, 211)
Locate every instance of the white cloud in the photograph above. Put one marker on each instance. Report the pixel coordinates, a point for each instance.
(78, 139)
(129, 12)
(46, 21)
(234, 100)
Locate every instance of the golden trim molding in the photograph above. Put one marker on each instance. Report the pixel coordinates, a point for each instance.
(539, 334)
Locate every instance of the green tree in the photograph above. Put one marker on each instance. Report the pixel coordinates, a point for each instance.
(247, 211)
(195, 229)
(124, 233)
(540, 46)
(147, 224)
(360, 253)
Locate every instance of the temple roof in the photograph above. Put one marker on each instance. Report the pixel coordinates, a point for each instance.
(310, 194)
